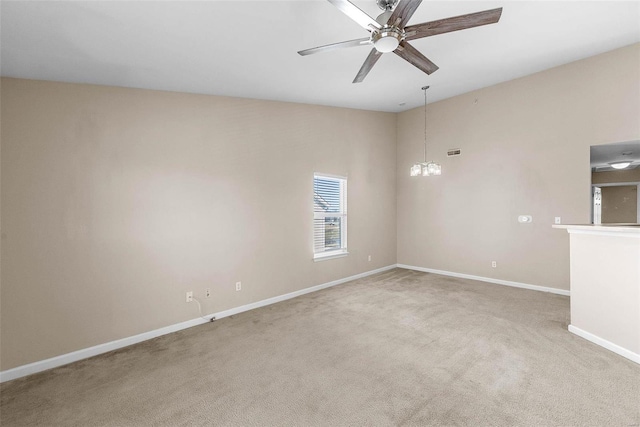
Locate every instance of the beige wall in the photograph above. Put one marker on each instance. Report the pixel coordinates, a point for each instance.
(619, 204)
(631, 175)
(525, 150)
(115, 202)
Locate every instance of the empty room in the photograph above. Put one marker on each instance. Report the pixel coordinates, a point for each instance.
(320, 213)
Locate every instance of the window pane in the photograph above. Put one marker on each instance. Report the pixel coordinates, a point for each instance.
(327, 234)
(326, 195)
(330, 214)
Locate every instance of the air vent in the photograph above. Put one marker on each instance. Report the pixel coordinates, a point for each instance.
(453, 152)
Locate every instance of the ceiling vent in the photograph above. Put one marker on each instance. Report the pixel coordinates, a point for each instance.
(453, 152)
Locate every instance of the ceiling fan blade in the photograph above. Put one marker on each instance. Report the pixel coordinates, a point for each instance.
(354, 12)
(328, 47)
(403, 12)
(411, 55)
(455, 23)
(371, 60)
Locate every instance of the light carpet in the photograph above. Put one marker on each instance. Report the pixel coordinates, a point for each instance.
(397, 348)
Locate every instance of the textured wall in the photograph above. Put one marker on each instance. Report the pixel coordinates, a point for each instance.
(115, 202)
(630, 175)
(620, 204)
(525, 150)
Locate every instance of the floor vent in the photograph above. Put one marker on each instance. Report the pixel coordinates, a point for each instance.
(454, 152)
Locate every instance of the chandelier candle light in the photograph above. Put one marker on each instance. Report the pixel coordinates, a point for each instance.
(426, 168)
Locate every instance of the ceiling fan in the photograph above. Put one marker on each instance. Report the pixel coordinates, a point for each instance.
(389, 32)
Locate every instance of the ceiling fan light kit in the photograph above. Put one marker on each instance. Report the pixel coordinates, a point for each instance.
(390, 33)
(387, 39)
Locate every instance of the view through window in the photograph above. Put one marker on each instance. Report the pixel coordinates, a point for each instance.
(329, 216)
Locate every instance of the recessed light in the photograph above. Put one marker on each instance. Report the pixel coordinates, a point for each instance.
(620, 165)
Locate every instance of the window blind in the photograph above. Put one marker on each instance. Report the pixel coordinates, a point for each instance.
(329, 214)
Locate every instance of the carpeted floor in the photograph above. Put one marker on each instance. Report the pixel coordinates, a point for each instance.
(397, 348)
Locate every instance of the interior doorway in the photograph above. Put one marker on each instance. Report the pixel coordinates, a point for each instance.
(616, 203)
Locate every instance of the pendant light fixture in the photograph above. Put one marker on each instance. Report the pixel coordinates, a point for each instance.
(426, 168)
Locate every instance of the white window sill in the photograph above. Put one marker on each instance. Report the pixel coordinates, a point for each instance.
(323, 256)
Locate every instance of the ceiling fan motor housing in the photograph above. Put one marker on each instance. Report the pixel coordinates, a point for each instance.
(387, 38)
(386, 4)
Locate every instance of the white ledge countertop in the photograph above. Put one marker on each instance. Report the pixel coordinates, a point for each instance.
(601, 228)
(605, 285)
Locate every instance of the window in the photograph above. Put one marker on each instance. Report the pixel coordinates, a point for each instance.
(329, 216)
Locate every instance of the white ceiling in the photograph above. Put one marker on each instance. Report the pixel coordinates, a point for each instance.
(248, 48)
(602, 155)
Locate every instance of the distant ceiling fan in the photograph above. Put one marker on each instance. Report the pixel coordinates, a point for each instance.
(389, 33)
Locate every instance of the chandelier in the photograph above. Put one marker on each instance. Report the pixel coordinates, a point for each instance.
(426, 168)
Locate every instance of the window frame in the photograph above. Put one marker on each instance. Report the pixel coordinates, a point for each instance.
(343, 215)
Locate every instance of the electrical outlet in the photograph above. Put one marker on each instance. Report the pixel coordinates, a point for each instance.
(238, 286)
(207, 292)
(369, 257)
(558, 220)
(189, 296)
(494, 264)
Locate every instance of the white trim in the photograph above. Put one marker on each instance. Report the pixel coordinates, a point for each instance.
(615, 184)
(294, 294)
(329, 175)
(609, 233)
(610, 230)
(488, 279)
(634, 357)
(64, 359)
(322, 256)
(342, 181)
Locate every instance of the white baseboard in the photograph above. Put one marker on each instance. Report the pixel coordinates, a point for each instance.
(487, 279)
(64, 359)
(294, 294)
(635, 357)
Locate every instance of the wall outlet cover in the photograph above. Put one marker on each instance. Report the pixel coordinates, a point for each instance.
(524, 219)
